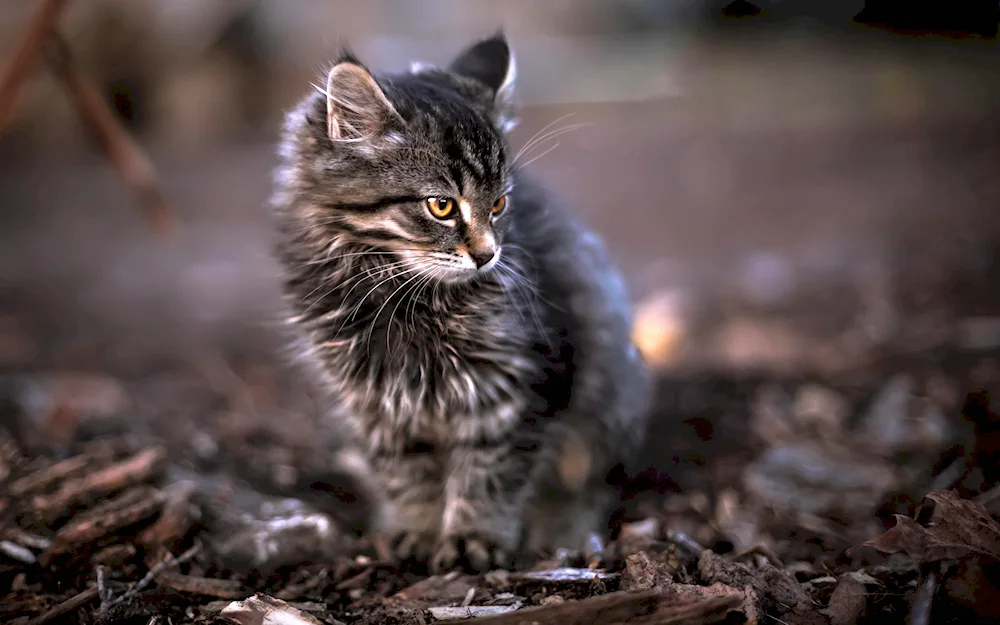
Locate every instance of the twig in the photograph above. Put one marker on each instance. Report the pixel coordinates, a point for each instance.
(72, 604)
(157, 570)
(37, 31)
(102, 589)
(356, 581)
(683, 540)
(469, 596)
(133, 165)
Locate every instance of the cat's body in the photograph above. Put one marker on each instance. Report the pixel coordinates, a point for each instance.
(473, 331)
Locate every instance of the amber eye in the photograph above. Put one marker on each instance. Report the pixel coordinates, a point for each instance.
(440, 207)
(500, 204)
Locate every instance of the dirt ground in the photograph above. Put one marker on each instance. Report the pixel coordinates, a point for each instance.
(826, 353)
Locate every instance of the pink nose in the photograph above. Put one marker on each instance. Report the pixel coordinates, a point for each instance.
(481, 257)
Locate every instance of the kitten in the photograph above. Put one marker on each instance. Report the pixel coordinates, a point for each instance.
(474, 332)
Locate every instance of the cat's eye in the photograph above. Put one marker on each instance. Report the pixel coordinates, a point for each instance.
(440, 207)
(499, 205)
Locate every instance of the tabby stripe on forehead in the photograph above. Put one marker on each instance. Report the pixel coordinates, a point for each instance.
(456, 154)
(377, 206)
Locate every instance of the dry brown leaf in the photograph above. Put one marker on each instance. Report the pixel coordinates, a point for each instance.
(958, 528)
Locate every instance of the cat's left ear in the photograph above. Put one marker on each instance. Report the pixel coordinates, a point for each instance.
(491, 62)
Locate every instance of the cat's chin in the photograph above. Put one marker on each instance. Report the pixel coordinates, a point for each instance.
(459, 276)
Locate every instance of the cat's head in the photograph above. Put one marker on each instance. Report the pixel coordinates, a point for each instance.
(415, 164)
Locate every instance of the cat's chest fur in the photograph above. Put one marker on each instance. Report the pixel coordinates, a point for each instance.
(444, 371)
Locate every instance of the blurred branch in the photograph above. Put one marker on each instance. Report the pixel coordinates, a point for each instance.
(132, 163)
(35, 34)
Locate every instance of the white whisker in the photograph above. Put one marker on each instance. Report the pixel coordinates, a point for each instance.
(371, 329)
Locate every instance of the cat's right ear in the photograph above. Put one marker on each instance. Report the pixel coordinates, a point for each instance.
(491, 63)
(356, 107)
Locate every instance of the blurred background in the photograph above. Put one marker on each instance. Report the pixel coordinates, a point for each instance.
(803, 197)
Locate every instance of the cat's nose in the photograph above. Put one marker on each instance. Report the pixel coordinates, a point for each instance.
(482, 257)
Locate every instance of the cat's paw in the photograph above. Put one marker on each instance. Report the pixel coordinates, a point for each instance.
(417, 546)
(477, 552)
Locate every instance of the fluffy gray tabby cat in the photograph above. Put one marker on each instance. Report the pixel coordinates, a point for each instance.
(474, 332)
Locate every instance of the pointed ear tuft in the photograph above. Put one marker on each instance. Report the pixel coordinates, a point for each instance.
(356, 107)
(491, 63)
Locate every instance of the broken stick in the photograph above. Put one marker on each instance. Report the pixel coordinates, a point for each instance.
(638, 608)
(38, 29)
(69, 606)
(126, 155)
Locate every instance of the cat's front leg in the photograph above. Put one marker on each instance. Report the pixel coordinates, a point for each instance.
(486, 492)
(410, 514)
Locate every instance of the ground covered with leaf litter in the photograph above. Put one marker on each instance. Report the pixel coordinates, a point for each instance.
(841, 475)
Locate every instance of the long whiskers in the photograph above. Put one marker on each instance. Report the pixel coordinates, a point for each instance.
(541, 137)
(371, 329)
(357, 279)
(424, 276)
(536, 137)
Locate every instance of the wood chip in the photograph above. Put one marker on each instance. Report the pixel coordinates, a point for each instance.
(635, 608)
(266, 610)
(17, 552)
(52, 474)
(565, 574)
(475, 611)
(123, 511)
(142, 467)
(207, 586)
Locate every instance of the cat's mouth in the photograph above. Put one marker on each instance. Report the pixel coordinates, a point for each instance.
(461, 266)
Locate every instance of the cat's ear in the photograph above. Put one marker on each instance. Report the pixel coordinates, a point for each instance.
(491, 62)
(356, 107)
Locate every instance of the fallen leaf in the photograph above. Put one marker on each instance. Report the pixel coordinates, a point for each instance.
(958, 528)
(849, 601)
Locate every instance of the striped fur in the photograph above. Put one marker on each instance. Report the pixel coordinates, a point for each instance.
(488, 404)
